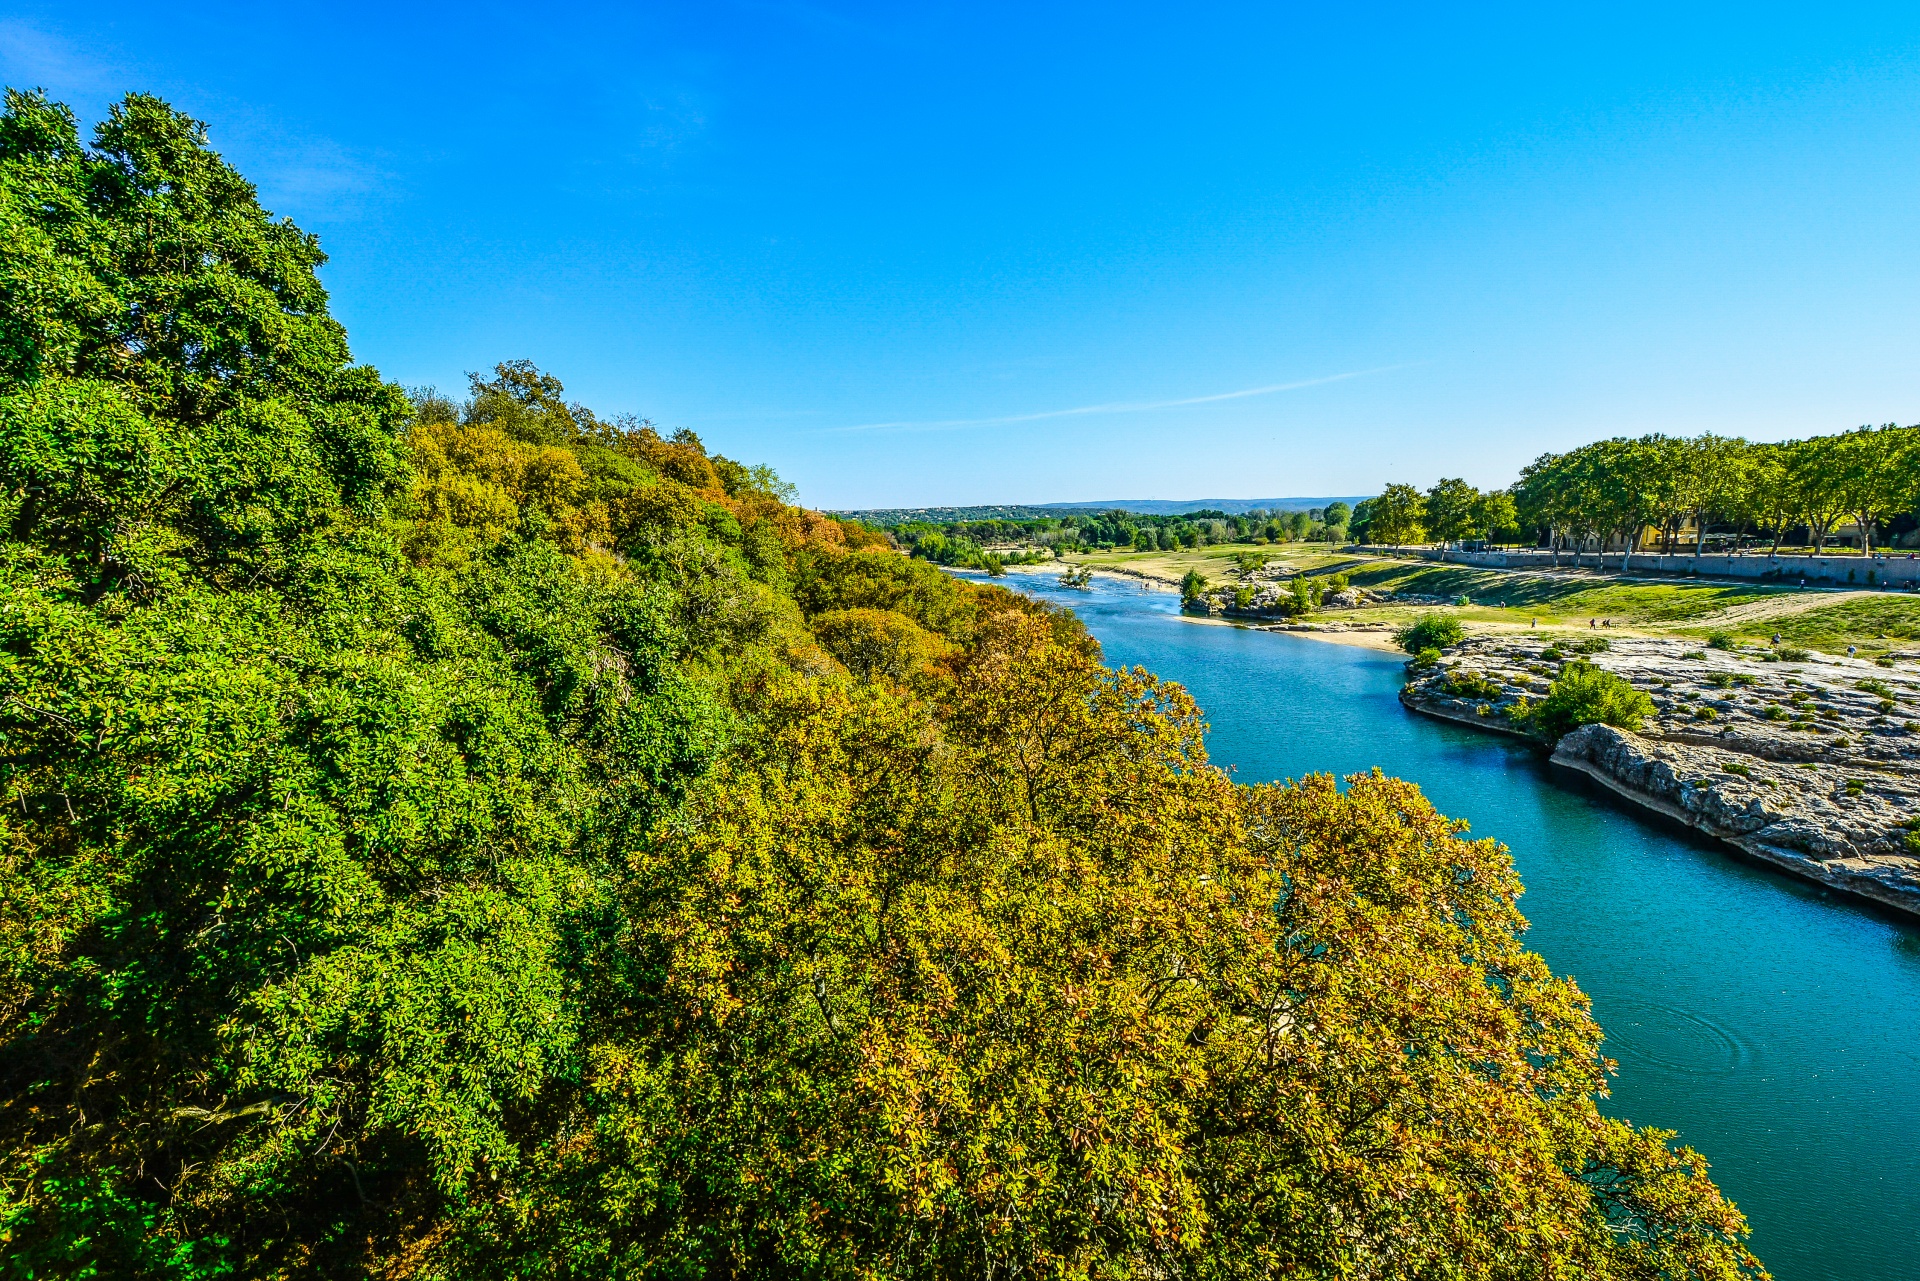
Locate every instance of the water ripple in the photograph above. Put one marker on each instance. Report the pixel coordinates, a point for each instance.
(1670, 1039)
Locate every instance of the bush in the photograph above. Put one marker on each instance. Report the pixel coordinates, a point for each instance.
(1425, 660)
(1337, 583)
(1722, 640)
(1430, 631)
(1551, 654)
(1468, 685)
(1586, 695)
(1792, 654)
(1591, 645)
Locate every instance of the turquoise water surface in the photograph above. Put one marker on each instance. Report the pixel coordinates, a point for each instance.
(1775, 1027)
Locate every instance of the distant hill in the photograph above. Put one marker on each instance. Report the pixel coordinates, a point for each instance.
(1139, 506)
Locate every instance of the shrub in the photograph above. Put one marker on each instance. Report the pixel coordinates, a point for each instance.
(1775, 713)
(1694, 653)
(1792, 654)
(1586, 695)
(1722, 640)
(1337, 582)
(1720, 680)
(1425, 660)
(1551, 654)
(1469, 685)
(1874, 687)
(1591, 645)
(1737, 767)
(1705, 714)
(1430, 631)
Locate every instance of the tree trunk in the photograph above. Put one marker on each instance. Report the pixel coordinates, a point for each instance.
(1866, 533)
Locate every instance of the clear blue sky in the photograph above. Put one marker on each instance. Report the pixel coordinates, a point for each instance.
(886, 249)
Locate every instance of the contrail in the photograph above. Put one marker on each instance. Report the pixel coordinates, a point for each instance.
(1117, 407)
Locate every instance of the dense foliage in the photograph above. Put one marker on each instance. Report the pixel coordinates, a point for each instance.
(1583, 694)
(1430, 631)
(981, 544)
(484, 839)
(1617, 491)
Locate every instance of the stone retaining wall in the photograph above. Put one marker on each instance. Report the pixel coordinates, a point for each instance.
(1896, 571)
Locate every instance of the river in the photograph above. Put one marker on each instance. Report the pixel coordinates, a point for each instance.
(1776, 1028)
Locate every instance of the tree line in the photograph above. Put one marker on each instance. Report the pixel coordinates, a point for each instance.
(983, 544)
(478, 837)
(1621, 489)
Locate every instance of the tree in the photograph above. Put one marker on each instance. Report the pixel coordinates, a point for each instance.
(1715, 477)
(1396, 514)
(1493, 512)
(1769, 497)
(1817, 473)
(1449, 510)
(1877, 474)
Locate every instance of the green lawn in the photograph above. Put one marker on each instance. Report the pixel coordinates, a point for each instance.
(1875, 624)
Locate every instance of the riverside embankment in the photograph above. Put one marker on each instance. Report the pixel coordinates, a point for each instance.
(1812, 766)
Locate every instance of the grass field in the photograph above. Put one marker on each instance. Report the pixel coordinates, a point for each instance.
(1499, 598)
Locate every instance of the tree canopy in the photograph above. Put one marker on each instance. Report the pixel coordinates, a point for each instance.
(483, 838)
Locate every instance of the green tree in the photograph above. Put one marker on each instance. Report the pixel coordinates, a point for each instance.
(1395, 516)
(1449, 510)
(1879, 470)
(1493, 513)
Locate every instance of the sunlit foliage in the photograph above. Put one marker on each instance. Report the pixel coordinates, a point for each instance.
(485, 839)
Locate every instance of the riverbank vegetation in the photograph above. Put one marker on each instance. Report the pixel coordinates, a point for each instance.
(1082, 532)
(1397, 588)
(1723, 490)
(486, 837)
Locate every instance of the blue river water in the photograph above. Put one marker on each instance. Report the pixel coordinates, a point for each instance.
(1774, 1027)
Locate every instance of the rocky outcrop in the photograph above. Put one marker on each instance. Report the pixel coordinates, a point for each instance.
(1840, 827)
(1811, 766)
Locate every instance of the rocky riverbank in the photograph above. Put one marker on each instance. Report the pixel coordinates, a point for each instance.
(1812, 766)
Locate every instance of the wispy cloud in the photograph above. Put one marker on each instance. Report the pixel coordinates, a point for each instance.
(1115, 407)
(35, 59)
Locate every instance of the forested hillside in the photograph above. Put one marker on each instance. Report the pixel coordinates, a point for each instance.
(476, 837)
